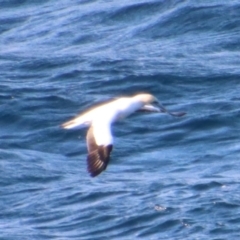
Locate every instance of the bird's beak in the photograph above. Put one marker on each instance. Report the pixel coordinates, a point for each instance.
(174, 114)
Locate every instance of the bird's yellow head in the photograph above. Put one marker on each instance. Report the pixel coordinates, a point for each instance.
(146, 98)
(150, 103)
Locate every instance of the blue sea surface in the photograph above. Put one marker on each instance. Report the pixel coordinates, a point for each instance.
(168, 178)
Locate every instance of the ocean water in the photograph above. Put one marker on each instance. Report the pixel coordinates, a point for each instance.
(169, 178)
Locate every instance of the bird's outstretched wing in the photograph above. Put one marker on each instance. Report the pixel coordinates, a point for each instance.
(98, 155)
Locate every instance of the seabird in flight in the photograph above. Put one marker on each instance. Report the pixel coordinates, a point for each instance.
(99, 120)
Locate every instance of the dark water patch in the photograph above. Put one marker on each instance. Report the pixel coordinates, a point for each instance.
(162, 227)
(206, 186)
(11, 23)
(191, 19)
(136, 13)
(37, 64)
(69, 75)
(226, 205)
(20, 3)
(234, 221)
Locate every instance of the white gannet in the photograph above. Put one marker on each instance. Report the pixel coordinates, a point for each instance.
(99, 120)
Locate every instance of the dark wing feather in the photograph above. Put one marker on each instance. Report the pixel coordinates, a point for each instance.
(98, 156)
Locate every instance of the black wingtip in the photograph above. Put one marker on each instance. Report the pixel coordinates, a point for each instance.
(94, 164)
(97, 160)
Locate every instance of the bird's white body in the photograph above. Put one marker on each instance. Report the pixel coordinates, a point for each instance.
(101, 118)
(109, 112)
